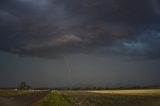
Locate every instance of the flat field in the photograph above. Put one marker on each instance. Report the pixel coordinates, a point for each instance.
(143, 97)
(142, 92)
(150, 97)
(14, 92)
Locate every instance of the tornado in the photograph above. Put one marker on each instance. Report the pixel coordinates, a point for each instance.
(69, 70)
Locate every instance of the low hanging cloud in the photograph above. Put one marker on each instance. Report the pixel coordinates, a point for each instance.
(52, 28)
(146, 44)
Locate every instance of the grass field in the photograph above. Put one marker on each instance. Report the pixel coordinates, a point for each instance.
(14, 92)
(102, 98)
(149, 92)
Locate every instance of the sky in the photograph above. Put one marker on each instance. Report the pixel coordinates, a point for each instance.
(79, 43)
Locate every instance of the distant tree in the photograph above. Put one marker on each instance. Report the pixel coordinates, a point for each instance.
(28, 87)
(24, 86)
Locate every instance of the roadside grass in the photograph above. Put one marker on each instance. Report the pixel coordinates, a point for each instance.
(54, 99)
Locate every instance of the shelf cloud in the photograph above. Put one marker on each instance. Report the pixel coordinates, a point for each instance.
(52, 28)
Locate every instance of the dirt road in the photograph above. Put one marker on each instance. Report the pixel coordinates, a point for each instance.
(21, 100)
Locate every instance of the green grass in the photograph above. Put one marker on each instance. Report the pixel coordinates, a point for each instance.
(54, 99)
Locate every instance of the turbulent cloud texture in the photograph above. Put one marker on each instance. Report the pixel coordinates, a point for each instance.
(53, 28)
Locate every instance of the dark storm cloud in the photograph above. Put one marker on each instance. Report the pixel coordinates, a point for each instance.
(145, 44)
(51, 28)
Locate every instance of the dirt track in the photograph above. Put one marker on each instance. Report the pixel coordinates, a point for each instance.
(21, 100)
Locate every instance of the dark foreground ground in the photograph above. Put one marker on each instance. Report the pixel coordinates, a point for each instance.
(81, 98)
(20, 99)
(96, 99)
(102, 98)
